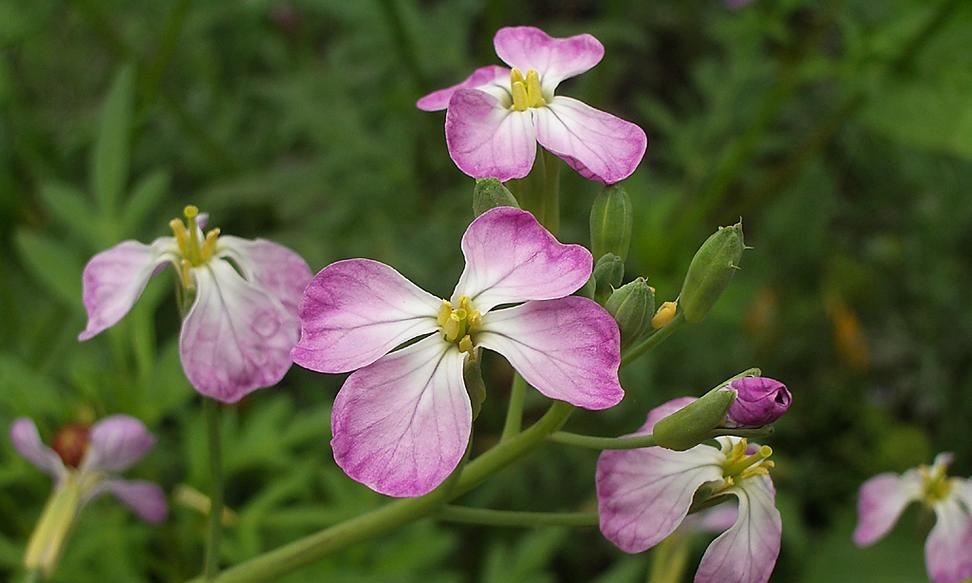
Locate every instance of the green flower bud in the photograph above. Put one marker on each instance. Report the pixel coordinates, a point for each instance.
(632, 306)
(472, 375)
(608, 273)
(710, 271)
(490, 193)
(691, 425)
(611, 221)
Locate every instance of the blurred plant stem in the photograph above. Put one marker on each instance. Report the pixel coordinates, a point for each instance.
(151, 86)
(640, 441)
(514, 412)
(669, 559)
(215, 532)
(489, 517)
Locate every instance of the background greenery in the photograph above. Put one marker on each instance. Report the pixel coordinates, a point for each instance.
(841, 131)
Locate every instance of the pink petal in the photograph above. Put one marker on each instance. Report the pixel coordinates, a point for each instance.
(747, 552)
(644, 494)
(401, 425)
(116, 444)
(493, 79)
(115, 278)
(271, 266)
(236, 338)
(881, 501)
(554, 59)
(511, 258)
(568, 349)
(355, 311)
(598, 145)
(662, 411)
(146, 499)
(948, 549)
(27, 442)
(486, 139)
(714, 520)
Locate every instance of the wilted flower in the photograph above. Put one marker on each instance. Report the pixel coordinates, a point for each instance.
(948, 549)
(242, 324)
(497, 115)
(645, 494)
(110, 447)
(759, 401)
(401, 422)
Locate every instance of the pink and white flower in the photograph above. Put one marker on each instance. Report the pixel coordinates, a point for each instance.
(645, 494)
(497, 116)
(111, 446)
(948, 549)
(402, 420)
(242, 324)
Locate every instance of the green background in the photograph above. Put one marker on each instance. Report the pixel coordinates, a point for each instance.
(840, 131)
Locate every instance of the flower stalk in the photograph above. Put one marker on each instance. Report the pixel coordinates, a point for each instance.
(214, 533)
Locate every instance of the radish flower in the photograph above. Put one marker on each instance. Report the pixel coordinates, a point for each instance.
(402, 420)
(948, 549)
(645, 494)
(497, 116)
(242, 324)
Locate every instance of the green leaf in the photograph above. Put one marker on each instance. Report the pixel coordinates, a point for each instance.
(145, 198)
(53, 264)
(69, 207)
(109, 170)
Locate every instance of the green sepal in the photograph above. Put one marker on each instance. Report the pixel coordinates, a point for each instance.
(611, 222)
(490, 193)
(587, 290)
(632, 306)
(692, 424)
(710, 272)
(472, 375)
(608, 273)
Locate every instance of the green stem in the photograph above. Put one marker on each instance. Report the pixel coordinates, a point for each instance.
(491, 517)
(214, 536)
(594, 442)
(514, 413)
(31, 576)
(652, 341)
(551, 191)
(272, 565)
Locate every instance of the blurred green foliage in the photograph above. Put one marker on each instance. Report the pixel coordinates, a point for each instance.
(841, 131)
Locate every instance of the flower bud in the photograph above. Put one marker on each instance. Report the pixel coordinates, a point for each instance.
(472, 376)
(632, 306)
(710, 271)
(759, 401)
(692, 424)
(490, 193)
(71, 443)
(587, 290)
(611, 221)
(608, 273)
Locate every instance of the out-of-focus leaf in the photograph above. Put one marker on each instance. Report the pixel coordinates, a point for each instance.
(528, 560)
(53, 264)
(109, 164)
(26, 392)
(145, 198)
(71, 209)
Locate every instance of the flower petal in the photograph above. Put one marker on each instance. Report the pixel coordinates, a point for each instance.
(145, 498)
(486, 139)
(644, 494)
(237, 338)
(714, 520)
(402, 424)
(948, 549)
(747, 552)
(355, 311)
(511, 258)
(271, 266)
(598, 145)
(116, 444)
(27, 442)
(554, 59)
(662, 411)
(115, 278)
(881, 501)
(492, 79)
(568, 349)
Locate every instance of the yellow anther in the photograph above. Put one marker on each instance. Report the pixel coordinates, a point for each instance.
(445, 310)
(664, 315)
(184, 276)
(520, 100)
(465, 345)
(453, 327)
(534, 93)
(180, 234)
(209, 245)
(516, 76)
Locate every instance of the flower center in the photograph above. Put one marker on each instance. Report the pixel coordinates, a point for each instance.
(71, 443)
(936, 485)
(457, 324)
(740, 465)
(194, 252)
(526, 91)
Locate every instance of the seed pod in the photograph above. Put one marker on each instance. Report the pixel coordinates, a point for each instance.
(710, 271)
(632, 306)
(490, 193)
(611, 222)
(691, 425)
(608, 273)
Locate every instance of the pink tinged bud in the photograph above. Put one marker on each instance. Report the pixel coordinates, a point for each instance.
(759, 401)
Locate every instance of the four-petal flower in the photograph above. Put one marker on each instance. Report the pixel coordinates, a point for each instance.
(401, 422)
(497, 116)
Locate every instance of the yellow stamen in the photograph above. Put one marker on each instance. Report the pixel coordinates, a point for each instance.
(209, 245)
(520, 99)
(664, 315)
(453, 327)
(465, 345)
(534, 94)
(191, 212)
(184, 266)
(180, 234)
(444, 310)
(516, 76)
